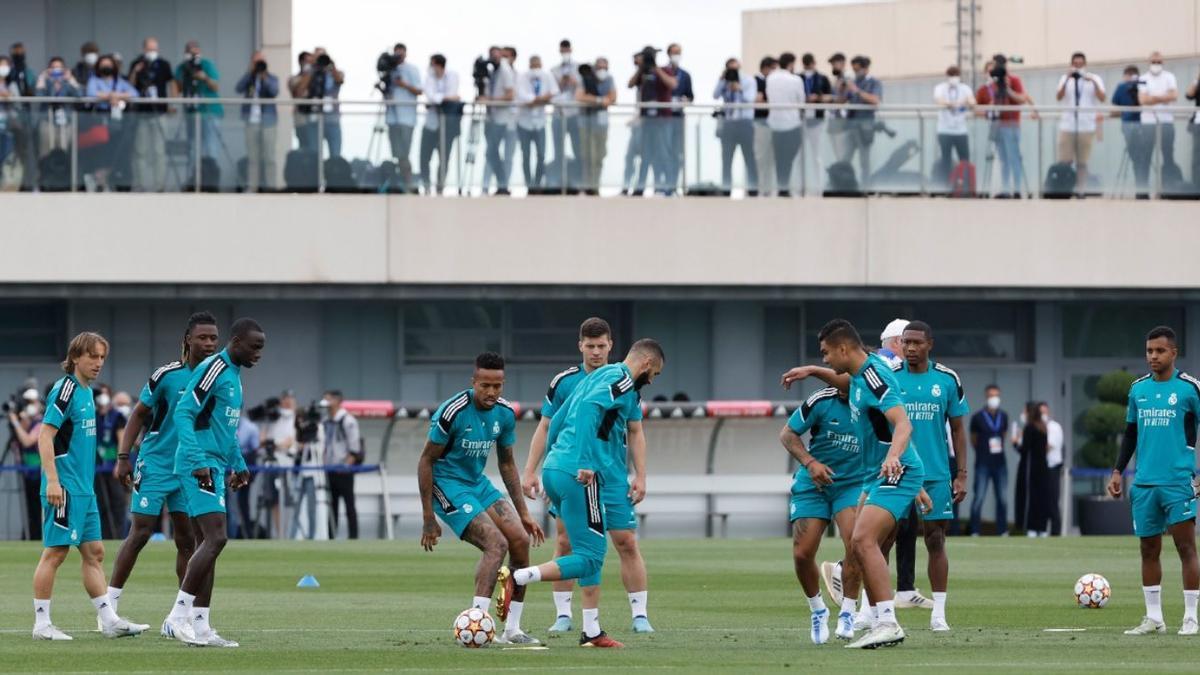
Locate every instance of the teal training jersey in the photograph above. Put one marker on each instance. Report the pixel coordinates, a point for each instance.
(469, 435)
(1166, 415)
(207, 416)
(873, 392)
(561, 387)
(932, 398)
(160, 394)
(832, 438)
(590, 431)
(73, 412)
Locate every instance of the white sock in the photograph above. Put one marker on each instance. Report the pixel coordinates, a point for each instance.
(183, 606)
(887, 611)
(41, 613)
(562, 603)
(482, 603)
(637, 603)
(527, 575)
(1153, 596)
(200, 621)
(939, 605)
(816, 603)
(848, 605)
(114, 596)
(875, 615)
(1189, 604)
(104, 610)
(865, 602)
(591, 622)
(513, 625)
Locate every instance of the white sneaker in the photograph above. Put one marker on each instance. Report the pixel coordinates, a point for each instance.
(831, 574)
(845, 626)
(939, 625)
(884, 635)
(49, 632)
(179, 629)
(863, 620)
(1189, 627)
(820, 627)
(211, 639)
(913, 599)
(122, 628)
(1147, 627)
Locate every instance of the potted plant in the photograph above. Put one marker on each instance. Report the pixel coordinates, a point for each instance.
(1102, 426)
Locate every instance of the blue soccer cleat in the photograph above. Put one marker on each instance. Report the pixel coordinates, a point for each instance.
(642, 625)
(562, 625)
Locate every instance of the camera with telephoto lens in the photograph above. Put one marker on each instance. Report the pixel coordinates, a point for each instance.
(13, 404)
(195, 63)
(384, 65)
(323, 61)
(267, 411)
(481, 72)
(308, 424)
(731, 75)
(649, 60)
(260, 67)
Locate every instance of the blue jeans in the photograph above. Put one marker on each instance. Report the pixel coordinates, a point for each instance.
(306, 494)
(496, 135)
(633, 153)
(656, 145)
(1008, 146)
(210, 137)
(998, 476)
(333, 136)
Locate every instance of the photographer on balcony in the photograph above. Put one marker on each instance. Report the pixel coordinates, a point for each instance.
(862, 90)
(258, 85)
(400, 82)
(323, 83)
(1003, 88)
(150, 75)
(654, 84)
(597, 91)
(197, 77)
(735, 126)
(343, 446)
(1083, 91)
(443, 121)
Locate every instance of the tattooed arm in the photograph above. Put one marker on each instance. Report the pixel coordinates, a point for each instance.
(512, 483)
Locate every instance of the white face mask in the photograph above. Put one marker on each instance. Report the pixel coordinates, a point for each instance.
(809, 72)
(102, 400)
(955, 80)
(1156, 68)
(124, 410)
(31, 410)
(602, 74)
(91, 58)
(151, 56)
(566, 57)
(676, 59)
(5, 70)
(993, 403)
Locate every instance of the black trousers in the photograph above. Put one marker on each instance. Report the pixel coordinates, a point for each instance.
(906, 552)
(1021, 495)
(341, 486)
(33, 505)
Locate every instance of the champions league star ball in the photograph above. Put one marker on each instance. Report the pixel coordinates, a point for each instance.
(1092, 591)
(474, 628)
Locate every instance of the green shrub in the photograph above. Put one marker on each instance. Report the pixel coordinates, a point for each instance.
(1114, 387)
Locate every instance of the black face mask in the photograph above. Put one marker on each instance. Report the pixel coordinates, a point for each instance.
(105, 72)
(641, 381)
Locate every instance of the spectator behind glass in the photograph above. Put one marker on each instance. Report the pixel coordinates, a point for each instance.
(7, 93)
(501, 89)
(298, 85)
(404, 86)
(735, 127)
(862, 90)
(197, 77)
(955, 99)
(85, 68)
(323, 83)
(1157, 89)
(261, 118)
(309, 448)
(1003, 88)
(681, 92)
(111, 498)
(114, 92)
(1126, 96)
(54, 123)
(837, 119)
(817, 89)
(764, 154)
(1082, 91)
(987, 432)
(654, 84)
(443, 120)
(785, 88)
(535, 88)
(22, 122)
(1035, 472)
(597, 92)
(565, 122)
(281, 432)
(343, 445)
(24, 425)
(151, 76)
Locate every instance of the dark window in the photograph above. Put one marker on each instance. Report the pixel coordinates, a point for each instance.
(451, 331)
(1098, 330)
(549, 331)
(32, 330)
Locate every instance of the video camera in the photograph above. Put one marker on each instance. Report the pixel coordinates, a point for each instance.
(481, 73)
(649, 60)
(267, 411)
(308, 424)
(384, 65)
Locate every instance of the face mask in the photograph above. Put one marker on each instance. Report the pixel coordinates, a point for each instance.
(307, 68)
(124, 410)
(105, 72)
(566, 57)
(1156, 68)
(676, 59)
(56, 72)
(152, 56)
(993, 403)
(1024, 420)
(5, 70)
(31, 410)
(91, 58)
(602, 74)
(103, 400)
(809, 72)
(955, 80)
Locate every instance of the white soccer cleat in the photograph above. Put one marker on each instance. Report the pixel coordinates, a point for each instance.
(121, 628)
(845, 626)
(831, 574)
(1189, 627)
(820, 627)
(519, 638)
(179, 629)
(864, 619)
(939, 625)
(211, 639)
(883, 635)
(1148, 626)
(913, 600)
(49, 632)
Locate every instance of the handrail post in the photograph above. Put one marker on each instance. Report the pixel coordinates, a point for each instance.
(710, 500)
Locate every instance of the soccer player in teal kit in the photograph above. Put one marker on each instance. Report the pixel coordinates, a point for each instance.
(463, 431)
(206, 420)
(1161, 428)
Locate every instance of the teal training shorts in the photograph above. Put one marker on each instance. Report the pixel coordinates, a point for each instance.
(582, 511)
(619, 510)
(1157, 507)
(941, 493)
(810, 502)
(76, 522)
(458, 503)
(896, 495)
(152, 489)
(202, 500)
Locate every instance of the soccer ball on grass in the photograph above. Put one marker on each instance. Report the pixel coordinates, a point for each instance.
(1092, 591)
(474, 628)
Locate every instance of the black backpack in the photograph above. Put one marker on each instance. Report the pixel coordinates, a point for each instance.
(842, 181)
(1060, 181)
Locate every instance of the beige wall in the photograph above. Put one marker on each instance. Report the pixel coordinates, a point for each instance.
(294, 239)
(275, 39)
(916, 37)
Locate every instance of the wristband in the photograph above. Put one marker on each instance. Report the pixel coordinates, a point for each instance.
(123, 456)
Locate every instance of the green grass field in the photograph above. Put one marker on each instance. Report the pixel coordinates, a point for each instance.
(723, 605)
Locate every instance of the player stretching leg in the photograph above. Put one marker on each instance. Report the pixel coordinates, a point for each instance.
(584, 453)
(1161, 428)
(154, 483)
(462, 433)
(933, 396)
(826, 487)
(595, 343)
(206, 421)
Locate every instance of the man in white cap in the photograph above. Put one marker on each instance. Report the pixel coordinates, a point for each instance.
(889, 341)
